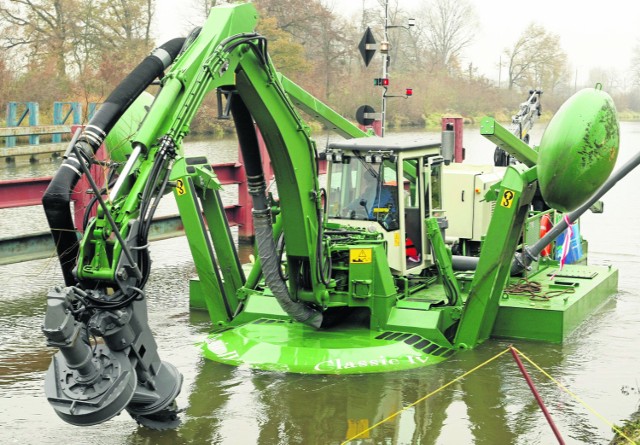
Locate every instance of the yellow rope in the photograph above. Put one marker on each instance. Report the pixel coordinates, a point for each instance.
(589, 408)
(425, 397)
(593, 411)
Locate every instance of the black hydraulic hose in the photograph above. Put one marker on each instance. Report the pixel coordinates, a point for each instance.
(323, 275)
(267, 252)
(57, 197)
(280, 250)
(110, 183)
(125, 249)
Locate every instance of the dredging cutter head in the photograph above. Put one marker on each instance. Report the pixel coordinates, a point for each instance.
(86, 384)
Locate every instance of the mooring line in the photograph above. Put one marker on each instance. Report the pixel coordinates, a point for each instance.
(583, 403)
(425, 397)
(511, 347)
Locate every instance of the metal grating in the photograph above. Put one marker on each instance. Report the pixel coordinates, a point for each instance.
(268, 321)
(574, 273)
(418, 342)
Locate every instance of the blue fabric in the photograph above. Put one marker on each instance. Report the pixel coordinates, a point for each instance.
(575, 246)
(382, 200)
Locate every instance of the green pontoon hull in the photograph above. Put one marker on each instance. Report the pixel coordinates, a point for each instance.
(278, 345)
(576, 292)
(275, 344)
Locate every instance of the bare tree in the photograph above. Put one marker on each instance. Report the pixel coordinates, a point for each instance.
(76, 32)
(326, 38)
(123, 22)
(536, 60)
(41, 26)
(201, 9)
(610, 78)
(6, 78)
(446, 28)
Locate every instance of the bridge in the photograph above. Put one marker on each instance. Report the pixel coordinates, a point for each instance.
(22, 120)
(33, 152)
(28, 192)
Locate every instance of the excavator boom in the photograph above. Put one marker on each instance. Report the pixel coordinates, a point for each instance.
(354, 276)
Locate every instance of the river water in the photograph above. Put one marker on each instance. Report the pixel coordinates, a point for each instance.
(228, 405)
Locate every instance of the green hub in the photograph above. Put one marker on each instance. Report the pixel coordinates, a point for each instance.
(278, 345)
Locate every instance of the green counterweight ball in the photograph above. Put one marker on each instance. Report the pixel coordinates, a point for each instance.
(118, 141)
(578, 150)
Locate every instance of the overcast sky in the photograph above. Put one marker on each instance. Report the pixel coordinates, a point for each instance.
(592, 33)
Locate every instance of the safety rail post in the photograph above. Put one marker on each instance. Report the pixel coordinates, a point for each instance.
(458, 126)
(32, 110)
(92, 108)
(59, 116)
(376, 126)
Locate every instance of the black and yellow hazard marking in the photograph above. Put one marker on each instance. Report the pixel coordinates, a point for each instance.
(507, 198)
(360, 256)
(180, 187)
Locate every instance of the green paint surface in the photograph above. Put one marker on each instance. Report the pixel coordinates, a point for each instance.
(279, 345)
(578, 150)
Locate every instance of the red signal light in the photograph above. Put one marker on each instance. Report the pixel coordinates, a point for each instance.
(408, 92)
(381, 82)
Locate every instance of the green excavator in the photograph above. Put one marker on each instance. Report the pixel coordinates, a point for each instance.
(353, 276)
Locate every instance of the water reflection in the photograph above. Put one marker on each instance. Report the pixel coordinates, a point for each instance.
(491, 406)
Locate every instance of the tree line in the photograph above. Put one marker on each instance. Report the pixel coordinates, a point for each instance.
(78, 50)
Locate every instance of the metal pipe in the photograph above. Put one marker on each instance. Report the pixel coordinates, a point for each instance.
(461, 263)
(523, 260)
(530, 254)
(526, 376)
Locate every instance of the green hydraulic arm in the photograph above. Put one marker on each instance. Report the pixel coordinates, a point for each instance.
(160, 138)
(318, 110)
(508, 142)
(442, 257)
(202, 211)
(494, 267)
(225, 54)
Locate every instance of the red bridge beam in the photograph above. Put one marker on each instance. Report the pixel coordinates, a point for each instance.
(22, 192)
(28, 192)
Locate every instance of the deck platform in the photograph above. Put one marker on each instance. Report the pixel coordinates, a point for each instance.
(561, 304)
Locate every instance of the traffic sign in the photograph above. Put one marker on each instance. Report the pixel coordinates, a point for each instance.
(367, 46)
(365, 115)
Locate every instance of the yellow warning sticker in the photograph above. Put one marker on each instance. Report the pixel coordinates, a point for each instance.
(180, 188)
(507, 198)
(360, 256)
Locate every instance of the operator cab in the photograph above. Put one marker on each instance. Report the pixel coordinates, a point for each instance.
(390, 186)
